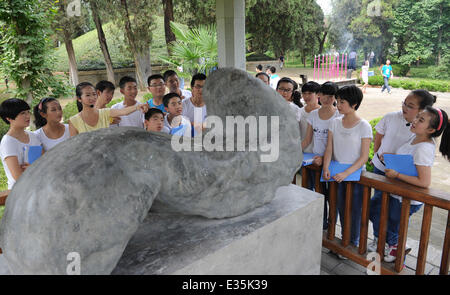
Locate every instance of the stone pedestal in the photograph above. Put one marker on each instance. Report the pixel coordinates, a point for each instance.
(282, 237)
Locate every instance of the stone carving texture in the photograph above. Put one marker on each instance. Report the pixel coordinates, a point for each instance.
(89, 194)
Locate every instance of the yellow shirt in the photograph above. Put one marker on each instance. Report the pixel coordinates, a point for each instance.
(81, 126)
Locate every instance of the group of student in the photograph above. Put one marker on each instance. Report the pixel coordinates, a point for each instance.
(178, 111)
(332, 130)
(329, 125)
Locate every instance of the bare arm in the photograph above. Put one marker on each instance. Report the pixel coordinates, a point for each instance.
(128, 110)
(308, 138)
(327, 156)
(14, 167)
(377, 141)
(423, 179)
(72, 130)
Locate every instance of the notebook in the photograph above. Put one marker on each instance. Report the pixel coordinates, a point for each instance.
(34, 152)
(401, 163)
(336, 167)
(308, 159)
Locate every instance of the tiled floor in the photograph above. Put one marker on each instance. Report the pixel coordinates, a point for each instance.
(332, 265)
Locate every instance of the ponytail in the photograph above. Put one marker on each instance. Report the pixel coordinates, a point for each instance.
(296, 95)
(40, 121)
(440, 122)
(425, 98)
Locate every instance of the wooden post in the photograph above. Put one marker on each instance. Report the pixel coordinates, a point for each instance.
(424, 236)
(347, 215)
(445, 261)
(402, 234)
(383, 224)
(364, 221)
(332, 214)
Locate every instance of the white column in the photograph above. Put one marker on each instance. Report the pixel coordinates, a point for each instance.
(230, 16)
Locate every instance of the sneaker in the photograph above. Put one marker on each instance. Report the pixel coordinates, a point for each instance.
(391, 254)
(341, 257)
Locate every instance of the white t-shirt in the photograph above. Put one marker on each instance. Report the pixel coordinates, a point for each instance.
(48, 143)
(320, 130)
(11, 146)
(423, 155)
(184, 121)
(304, 128)
(347, 141)
(274, 81)
(297, 111)
(135, 119)
(186, 93)
(189, 111)
(396, 133)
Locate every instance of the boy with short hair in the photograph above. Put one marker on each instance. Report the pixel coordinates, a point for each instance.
(154, 121)
(173, 85)
(174, 120)
(274, 78)
(128, 87)
(157, 88)
(105, 93)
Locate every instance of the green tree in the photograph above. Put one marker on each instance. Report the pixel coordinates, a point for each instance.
(278, 25)
(420, 30)
(135, 18)
(195, 49)
(26, 58)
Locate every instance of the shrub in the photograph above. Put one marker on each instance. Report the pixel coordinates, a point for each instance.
(70, 110)
(400, 70)
(3, 128)
(376, 80)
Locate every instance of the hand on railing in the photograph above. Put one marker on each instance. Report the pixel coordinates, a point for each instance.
(318, 160)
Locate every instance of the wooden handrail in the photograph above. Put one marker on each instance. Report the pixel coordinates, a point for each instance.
(3, 196)
(430, 197)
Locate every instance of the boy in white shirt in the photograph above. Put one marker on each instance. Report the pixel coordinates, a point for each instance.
(128, 87)
(173, 84)
(194, 108)
(174, 120)
(348, 142)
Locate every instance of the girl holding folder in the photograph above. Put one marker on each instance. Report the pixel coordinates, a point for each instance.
(429, 124)
(348, 142)
(393, 131)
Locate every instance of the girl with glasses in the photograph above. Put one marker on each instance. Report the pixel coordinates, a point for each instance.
(393, 131)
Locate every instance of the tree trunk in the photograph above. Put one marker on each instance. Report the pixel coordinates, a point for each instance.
(139, 62)
(439, 47)
(168, 17)
(73, 69)
(102, 41)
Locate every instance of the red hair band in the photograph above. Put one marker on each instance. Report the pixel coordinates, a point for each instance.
(441, 119)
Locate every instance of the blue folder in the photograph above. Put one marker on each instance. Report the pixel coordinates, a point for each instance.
(34, 152)
(336, 167)
(401, 163)
(308, 159)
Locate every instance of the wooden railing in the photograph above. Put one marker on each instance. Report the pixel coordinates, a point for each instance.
(430, 197)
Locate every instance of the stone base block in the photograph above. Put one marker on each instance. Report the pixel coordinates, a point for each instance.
(283, 237)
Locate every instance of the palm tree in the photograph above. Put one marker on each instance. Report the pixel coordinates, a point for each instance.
(194, 49)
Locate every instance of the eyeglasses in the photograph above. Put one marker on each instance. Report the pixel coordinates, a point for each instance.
(198, 87)
(284, 90)
(408, 106)
(157, 85)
